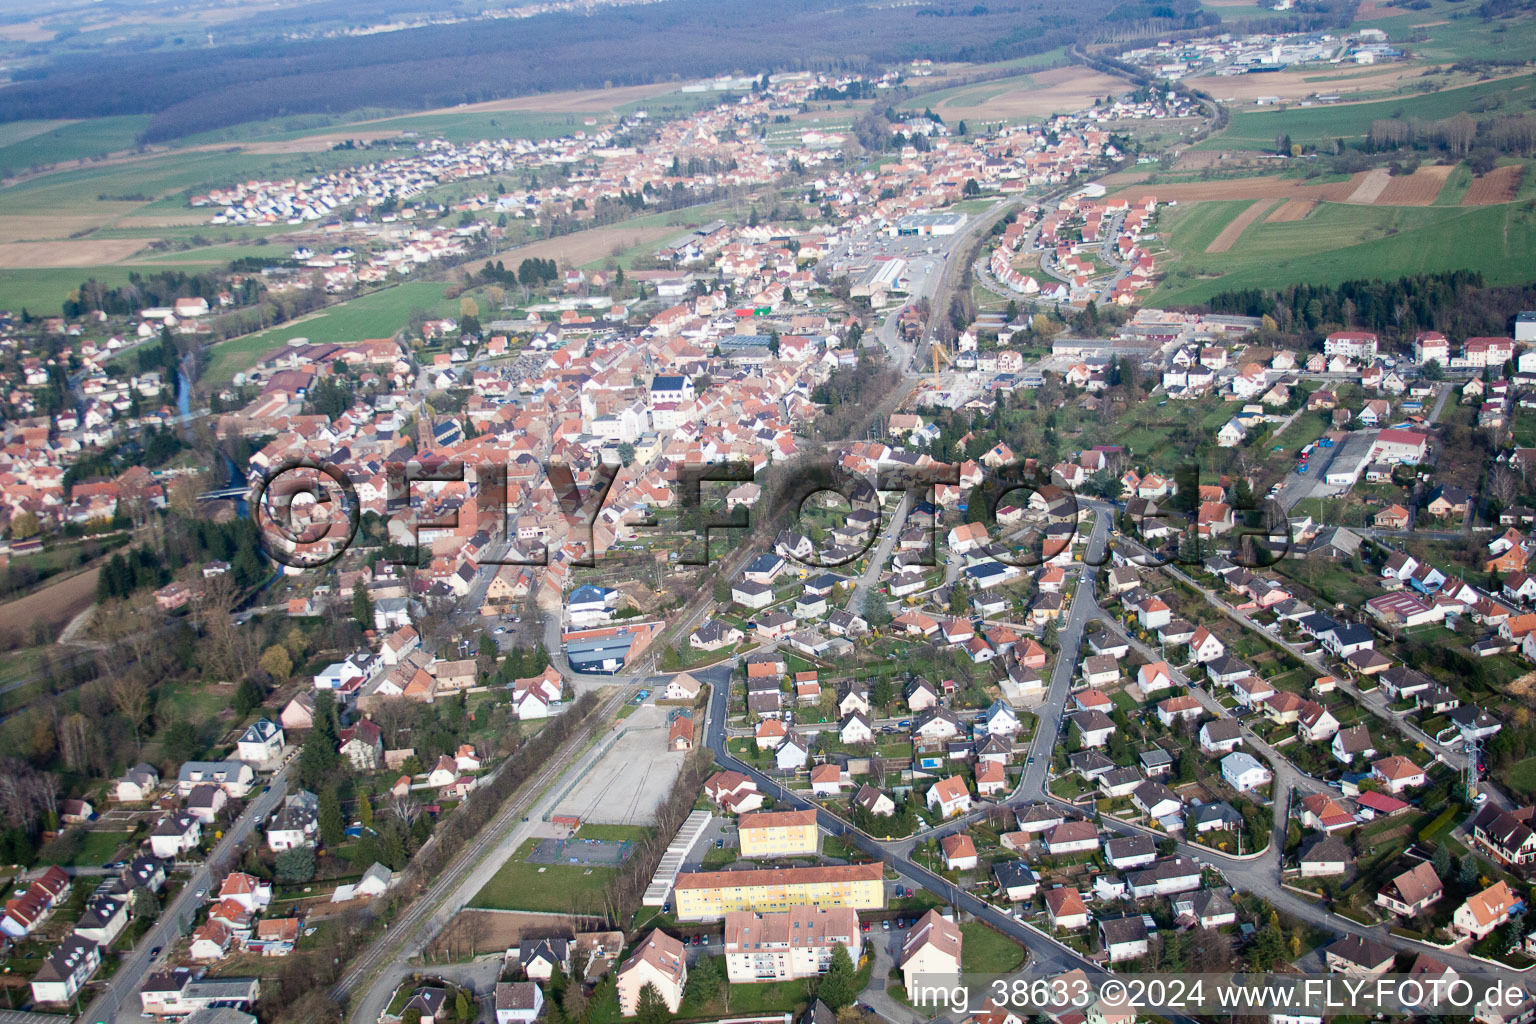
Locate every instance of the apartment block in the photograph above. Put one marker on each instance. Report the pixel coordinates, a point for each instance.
(778, 834)
(797, 943)
(710, 895)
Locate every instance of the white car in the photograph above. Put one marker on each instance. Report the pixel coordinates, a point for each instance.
(499, 630)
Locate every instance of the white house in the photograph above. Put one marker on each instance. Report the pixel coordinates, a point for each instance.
(657, 960)
(1243, 771)
(261, 744)
(518, 1002)
(66, 970)
(949, 796)
(931, 952)
(138, 783)
(175, 834)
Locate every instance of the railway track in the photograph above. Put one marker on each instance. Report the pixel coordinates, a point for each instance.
(404, 939)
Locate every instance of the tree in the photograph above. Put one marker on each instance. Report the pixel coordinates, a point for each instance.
(180, 741)
(573, 1004)
(145, 903)
(317, 761)
(277, 662)
(468, 308)
(25, 526)
(651, 1008)
(248, 696)
(296, 865)
(333, 828)
(362, 607)
(836, 989)
(364, 810)
(1467, 875)
(1441, 861)
(705, 980)
(130, 695)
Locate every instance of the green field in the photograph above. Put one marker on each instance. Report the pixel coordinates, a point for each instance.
(96, 848)
(1321, 125)
(1521, 776)
(984, 951)
(1341, 242)
(25, 144)
(1463, 34)
(518, 885)
(969, 95)
(166, 180)
(376, 315)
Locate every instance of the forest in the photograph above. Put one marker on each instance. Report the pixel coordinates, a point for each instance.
(442, 65)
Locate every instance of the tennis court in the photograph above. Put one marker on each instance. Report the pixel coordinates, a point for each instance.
(604, 853)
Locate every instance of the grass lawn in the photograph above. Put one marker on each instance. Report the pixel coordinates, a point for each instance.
(984, 951)
(519, 885)
(376, 315)
(96, 849)
(1341, 242)
(612, 833)
(1522, 775)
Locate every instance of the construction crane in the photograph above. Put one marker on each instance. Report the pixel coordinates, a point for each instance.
(938, 351)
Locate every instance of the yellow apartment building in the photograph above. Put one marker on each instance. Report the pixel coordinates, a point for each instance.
(778, 834)
(709, 895)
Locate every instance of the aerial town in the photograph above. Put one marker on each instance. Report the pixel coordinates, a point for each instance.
(775, 549)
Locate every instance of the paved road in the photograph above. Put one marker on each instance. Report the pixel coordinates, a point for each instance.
(1045, 954)
(1375, 701)
(880, 556)
(120, 998)
(1070, 638)
(387, 960)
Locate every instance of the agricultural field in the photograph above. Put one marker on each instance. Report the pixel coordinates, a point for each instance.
(1056, 90)
(1335, 241)
(27, 144)
(1348, 82)
(89, 219)
(1447, 31)
(1256, 130)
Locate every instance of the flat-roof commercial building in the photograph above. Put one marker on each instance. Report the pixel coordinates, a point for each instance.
(925, 224)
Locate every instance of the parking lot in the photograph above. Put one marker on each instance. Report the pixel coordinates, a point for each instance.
(631, 780)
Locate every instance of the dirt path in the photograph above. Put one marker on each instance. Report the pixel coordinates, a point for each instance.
(1371, 186)
(1234, 230)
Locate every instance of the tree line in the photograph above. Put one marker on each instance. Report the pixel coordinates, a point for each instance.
(162, 289)
(1457, 303)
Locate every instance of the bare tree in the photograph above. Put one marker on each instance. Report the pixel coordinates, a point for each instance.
(130, 695)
